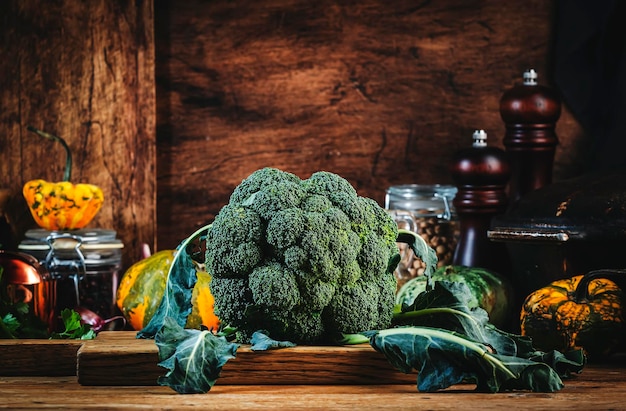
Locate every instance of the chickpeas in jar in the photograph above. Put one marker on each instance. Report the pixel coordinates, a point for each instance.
(426, 210)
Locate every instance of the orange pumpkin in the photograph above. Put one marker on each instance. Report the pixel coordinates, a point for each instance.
(578, 312)
(142, 287)
(62, 205)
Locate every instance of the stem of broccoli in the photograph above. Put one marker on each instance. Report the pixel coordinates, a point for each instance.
(408, 315)
(352, 339)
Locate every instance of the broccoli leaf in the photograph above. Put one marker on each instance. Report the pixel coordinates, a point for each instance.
(444, 358)
(420, 248)
(260, 341)
(449, 343)
(194, 358)
(176, 301)
(446, 306)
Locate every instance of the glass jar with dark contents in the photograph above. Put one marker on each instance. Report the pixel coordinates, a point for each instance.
(426, 210)
(85, 263)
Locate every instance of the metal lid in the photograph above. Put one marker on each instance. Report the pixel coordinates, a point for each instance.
(93, 247)
(94, 239)
(86, 236)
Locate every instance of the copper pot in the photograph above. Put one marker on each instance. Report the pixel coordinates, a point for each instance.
(24, 279)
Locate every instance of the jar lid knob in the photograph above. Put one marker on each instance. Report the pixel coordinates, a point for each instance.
(530, 77)
(480, 138)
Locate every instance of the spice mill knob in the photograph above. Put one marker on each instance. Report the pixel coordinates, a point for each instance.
(530, 112)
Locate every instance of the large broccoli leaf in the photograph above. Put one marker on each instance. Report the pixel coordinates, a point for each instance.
(449, 343)
(176, 301)
(446, 306)
(444, 358)
(194, 358)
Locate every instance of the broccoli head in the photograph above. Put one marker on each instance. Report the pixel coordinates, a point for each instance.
(303, 260)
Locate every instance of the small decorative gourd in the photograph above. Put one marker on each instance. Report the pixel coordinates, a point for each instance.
(142, 288)
(584, 311)
(62, 205)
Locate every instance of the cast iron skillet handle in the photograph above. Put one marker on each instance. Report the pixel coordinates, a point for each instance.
(618, 276)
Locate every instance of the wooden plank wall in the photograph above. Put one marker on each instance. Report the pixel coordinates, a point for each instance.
(83, 71)
(381, 92)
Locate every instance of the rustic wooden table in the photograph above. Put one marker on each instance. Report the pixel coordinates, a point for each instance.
(119, 371)
(597, 387)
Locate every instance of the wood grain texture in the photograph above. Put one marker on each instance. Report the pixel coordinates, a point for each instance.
(118, 358)
(379, 92)
(38, 357)
(598, 387)
(83, 71)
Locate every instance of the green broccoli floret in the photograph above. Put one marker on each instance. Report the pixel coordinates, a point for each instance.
(237, 245)
(274, 287)
(304, 260)
(340, 313)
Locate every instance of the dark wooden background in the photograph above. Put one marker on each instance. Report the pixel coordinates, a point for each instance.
(83, 71)
(381, 92)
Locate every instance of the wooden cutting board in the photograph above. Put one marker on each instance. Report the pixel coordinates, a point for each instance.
(119, 358)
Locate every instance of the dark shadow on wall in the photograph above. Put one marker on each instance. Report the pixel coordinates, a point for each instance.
(590, 72)
(164, 134)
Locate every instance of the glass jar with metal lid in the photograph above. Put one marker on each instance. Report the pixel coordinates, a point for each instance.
(426, 210)
(85, 263)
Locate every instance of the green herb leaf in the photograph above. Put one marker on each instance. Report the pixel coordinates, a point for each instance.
(193, 358)
(74, 329)
(11, 324)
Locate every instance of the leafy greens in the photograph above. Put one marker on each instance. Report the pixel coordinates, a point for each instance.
(74, 328)
(193, 358)
(444, 358)
(449, 343)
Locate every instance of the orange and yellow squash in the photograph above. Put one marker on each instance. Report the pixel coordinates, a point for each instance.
(62, 205)
(584, 311)
(143, 285)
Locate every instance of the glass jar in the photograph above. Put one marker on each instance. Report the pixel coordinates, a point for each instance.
(428, 211)
(84, 263)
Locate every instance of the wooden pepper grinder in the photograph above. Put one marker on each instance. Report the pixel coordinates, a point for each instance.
(481, 174)
(530, 112)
